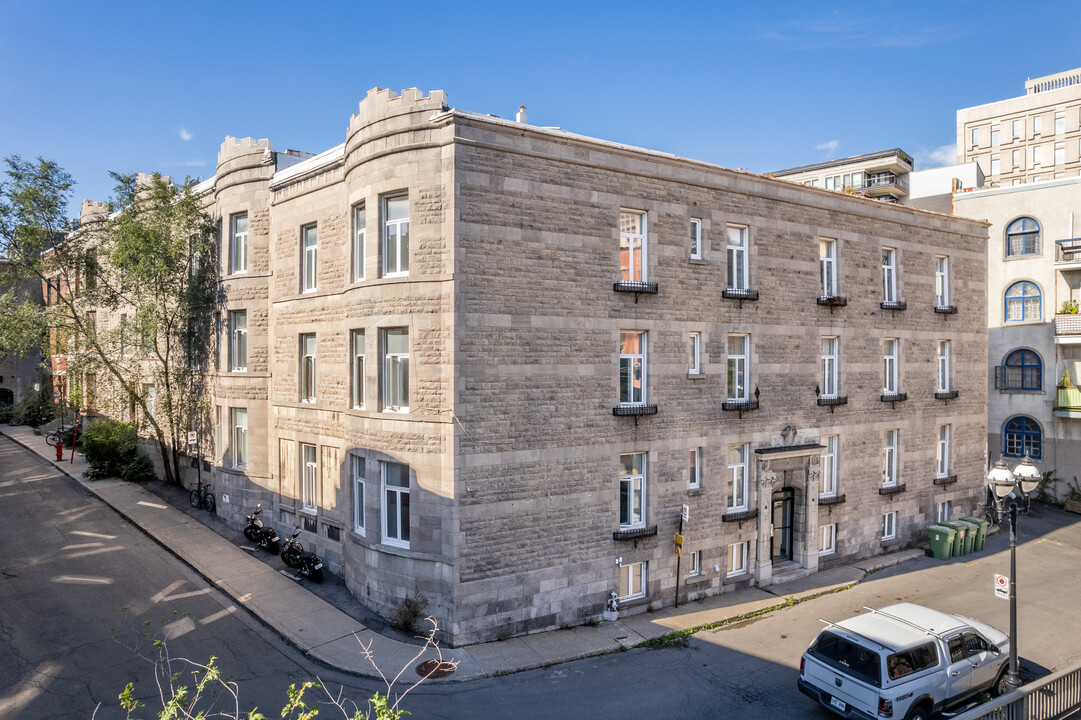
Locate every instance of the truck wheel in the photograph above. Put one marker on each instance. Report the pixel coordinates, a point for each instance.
(920, 711)
(1000, 687)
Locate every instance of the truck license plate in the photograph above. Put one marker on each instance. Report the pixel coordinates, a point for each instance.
(839, 704)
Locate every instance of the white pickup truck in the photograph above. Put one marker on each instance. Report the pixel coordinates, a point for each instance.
(903, 661)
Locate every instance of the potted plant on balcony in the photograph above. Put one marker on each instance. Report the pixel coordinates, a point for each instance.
(1069, 307)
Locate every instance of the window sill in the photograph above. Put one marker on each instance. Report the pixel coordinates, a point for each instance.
(832, 401)
(892, 489)
(743, 577)
(696, 579)
(893, 397)
(830, 500)
(634, 533)
(947, 394)
(945, 480)
(740, 405)
(895, 305)
(832, 301)
(739, 515)
(634, 410)
(695, 375)
(946, 309)
(696, 490)
(740, 294)
(637, 287)
(697, 261)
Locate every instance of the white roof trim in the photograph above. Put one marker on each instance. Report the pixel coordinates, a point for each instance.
(327, 157)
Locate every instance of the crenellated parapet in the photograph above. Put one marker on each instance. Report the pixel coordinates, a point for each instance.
(388, 122)
(243, 160)
(92, 211)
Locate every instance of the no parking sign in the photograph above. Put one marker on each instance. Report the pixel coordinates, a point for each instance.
(1002, 587)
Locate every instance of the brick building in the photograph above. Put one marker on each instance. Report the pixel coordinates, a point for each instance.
(492, 362)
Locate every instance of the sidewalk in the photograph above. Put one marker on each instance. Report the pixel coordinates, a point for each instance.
(329, 636)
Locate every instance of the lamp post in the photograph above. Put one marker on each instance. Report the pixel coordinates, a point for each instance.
(1002, 483)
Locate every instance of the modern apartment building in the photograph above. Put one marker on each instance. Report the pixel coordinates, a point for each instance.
(1029, 138)
(496, 363)
(880, 175)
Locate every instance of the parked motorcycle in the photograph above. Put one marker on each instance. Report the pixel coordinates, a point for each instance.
(306, 563)
(265, 537)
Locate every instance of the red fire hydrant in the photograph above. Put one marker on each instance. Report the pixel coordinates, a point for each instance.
(59, 450)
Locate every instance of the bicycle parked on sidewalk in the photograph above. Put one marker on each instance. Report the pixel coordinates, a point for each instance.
(63, 433)
(201, 497)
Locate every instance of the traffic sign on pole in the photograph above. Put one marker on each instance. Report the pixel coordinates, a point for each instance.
(1002, 587)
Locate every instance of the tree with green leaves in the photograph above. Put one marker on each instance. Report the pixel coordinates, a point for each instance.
(130, 293)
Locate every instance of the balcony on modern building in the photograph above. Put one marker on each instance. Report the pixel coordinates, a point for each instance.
(1067, 402)
(1068, 254)
(1067, 329)
(883, 183)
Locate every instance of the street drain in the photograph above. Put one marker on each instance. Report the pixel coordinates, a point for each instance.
(432, 669)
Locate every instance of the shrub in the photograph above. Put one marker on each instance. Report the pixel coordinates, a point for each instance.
(111, 449)
(412, 609)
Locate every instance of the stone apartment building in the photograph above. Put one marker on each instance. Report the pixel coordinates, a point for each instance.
(494, 363)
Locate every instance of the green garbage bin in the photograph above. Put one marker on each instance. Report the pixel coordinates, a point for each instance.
(941, 541)
(959, 538)
(970, 535)
(981, 531)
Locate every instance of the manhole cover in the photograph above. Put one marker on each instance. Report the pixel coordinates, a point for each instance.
(435, 668)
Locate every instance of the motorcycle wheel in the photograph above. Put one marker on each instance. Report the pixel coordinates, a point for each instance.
(313, 575)
(194, 498)
(252, 533)
(272, 546)
(210, 503)
(289, 558)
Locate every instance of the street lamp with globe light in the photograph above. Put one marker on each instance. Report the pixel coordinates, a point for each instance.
(1002, 482)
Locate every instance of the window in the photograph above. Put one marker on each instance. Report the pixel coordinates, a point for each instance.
(632, 246)
(1023, 237)
(942, 456)
(632, 581)
(889, 526)
(737, 258)
(240, 436)
(695, 353)
(356, 341)
(738, 478)
(308, 262)
(945, 511)
(737, 559)
(890, 379)
(1037, 124)
(1022, 437)
(829, 467)
(974, 134)
(1023, 370)
(1023, 302)
(995, 164)
(307, 368)
(943, 366)
(696, 239)
(309, 473)
(1016, 155)
(396, 504)
(695, 477)
(829, 183)
(1018, 128)
(994, 136)
(358, 494)
(830, 371)
(218, 445)
(632, 487)
(1060, 123)
(360, 234)
(696, 563)
(91, 328)
(889, 458)
(889, 275)
(632, 367)
(942, 281)
(395, 236)
(89, 401)
(238, 340)
(1037, 155)
(396, 370)
(238, 247)
(737, 366)
(827, 263)
(1060, 154)
(827, 544)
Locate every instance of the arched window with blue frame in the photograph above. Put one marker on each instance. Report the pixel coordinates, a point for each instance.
(1023, 237)
(1021, 437)
(1023, 302)
(1023, 370)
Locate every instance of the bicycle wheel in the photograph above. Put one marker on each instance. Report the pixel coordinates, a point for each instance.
(52, 438)
(194, 498)
(210, 503)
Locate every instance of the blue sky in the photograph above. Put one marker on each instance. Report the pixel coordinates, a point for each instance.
(100, 86)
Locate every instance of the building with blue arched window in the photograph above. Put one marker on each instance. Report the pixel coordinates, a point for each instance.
(1023, 237)
(1022, 436)
(1023, 302)
(1021, 371)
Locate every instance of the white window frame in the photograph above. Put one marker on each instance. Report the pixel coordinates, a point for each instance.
(358, 355)
(395, 372)
(943, 366)
(1037, 124)
(360, 235)
(307, 368)
(309, 483)
(942, 453)
(219, 445)
(942, 281)
(739, 376)
(238, 341)
(738, 257)
(309, 258)
(392, 507)
(632, 580)
(1060, 154)
(695, 349)
(1018, 128)
(827, 263)
(696, 564)
(632, 486)
(891, 379)
(633, 246)
(994, 135)
(737, 559)
(1060, 123)
(696, 239)
(889, 274)
(827, 539)
(629, 362)
(828, 486)
(831, 370)
(1016, 159)
(975, 137)
(891, 445)
(889, 525)
(358, 468)
(395, 238)
(238, 245)
(738, 490)
(945, 511)
(996, 164)
(1037, 155)
(238, 419)
(694, 476)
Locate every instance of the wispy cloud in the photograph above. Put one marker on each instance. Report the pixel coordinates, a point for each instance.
(184, 134)
(935, 157)
(829, 147)
(841, 31)
(189, 163)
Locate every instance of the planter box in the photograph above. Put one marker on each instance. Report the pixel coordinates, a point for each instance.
(1073, 506)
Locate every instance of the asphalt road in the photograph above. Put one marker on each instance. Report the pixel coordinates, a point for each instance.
(79, 586)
